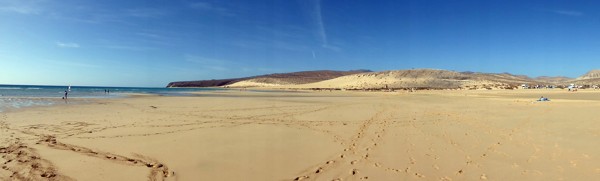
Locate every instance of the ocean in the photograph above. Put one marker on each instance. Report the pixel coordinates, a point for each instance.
(20, 96)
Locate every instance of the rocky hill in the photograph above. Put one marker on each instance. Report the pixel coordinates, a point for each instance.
(396, 79)
(593, 74)
(303, 77)
(553, 80)
(588, 79)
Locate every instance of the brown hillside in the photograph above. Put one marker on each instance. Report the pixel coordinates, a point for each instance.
(424, 79)
(278, 78)
(592, 74)
(554, 80)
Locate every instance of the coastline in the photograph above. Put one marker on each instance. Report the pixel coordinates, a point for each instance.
(314, 135)
(14, 97)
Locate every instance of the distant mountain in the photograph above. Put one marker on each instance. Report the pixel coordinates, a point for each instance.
(271, 79)
(592, 74)
(590, 78)
(395, 79)
(553, 80)
(423, 79)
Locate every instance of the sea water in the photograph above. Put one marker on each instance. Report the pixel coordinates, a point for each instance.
(19, 96)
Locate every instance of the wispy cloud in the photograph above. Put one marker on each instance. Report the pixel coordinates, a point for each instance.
(67, 45)
(90, 16)
(320, 27)
(260, 70)
(270, 44)
(209, 63)
(73, 64)
(332, 47)
(205, 6)
(20, 9)
(146, 12)
(27, 7)
(204, 60)
(131, 48)
(148, 35)
(568, 13)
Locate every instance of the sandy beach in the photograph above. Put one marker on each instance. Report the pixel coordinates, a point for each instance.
(339, 135)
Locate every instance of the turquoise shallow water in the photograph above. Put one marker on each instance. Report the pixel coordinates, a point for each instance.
(19, 96)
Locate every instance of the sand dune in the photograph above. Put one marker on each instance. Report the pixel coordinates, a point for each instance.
(417, 78)
(409, 79)
(302, 77)
(264, 82)
(428, 135)
(395, 79)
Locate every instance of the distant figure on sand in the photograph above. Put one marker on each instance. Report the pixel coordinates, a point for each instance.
(543, 99)
(66, 95)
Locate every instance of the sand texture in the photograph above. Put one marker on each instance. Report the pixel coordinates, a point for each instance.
(243, 135)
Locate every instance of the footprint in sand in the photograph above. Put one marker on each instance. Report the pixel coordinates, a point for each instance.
(354, 171)
(483, 177)
(301, 178)
(412, 161)
(319, 170)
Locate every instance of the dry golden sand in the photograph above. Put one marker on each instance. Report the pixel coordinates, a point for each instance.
(433, 135)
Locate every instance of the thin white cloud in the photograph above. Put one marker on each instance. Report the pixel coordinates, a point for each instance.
(320, 27)
(270, 44)
(217, 68)
(208, 7)
(67, 45)
(204, 60)
(146, 12)
(209, 63)
(149, 35)
(73, 64)
(319, 20)
(20, 10)
(332, 47)
(260, 70)
(26, 7)
(131, 48)
(568, 13)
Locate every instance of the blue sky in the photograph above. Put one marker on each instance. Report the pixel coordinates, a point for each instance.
(153, 42)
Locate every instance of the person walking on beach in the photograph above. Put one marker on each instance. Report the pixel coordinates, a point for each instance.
(66, 95)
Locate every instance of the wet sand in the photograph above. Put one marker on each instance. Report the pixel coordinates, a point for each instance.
(428, 135)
